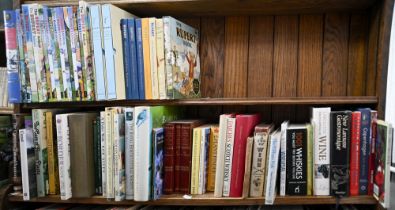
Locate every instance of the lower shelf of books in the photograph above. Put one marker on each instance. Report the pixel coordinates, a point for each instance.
(208, 199)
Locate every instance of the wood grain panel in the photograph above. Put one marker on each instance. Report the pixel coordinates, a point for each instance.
(236, 56)
(335, 55)
(357, 55)
(260, 56)
(212, 56)
(372, 51)
(192, 21)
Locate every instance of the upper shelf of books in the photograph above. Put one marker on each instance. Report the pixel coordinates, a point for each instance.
(223, 7)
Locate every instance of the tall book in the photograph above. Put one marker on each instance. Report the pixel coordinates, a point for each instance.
(340, 141)
(53, 171)
(283, 158)
(98, 55)
(140, 58)
(196, 147)
(55, 55)
(18, 122)
(309, 160)
(111, 17)
(97, 155)
(204, 149)
(129, 152)
(169, 158)
(52, 55)
(23, 71)
(366, 126)
(27, 163)
(354, 152)
(78, 74)
(372, 155)
(119, 156)
(152, 58)
(160, 58)
(258, 167)
(103, 152)
(126, 58)
(229, 138)
(181, 43)
(145, 34)
(14, 86)
(296, 160)
(158, 173)
(245, 125)
(132, 52)
(321, 125)
(272, 164)
(384, 141)
(212, 157)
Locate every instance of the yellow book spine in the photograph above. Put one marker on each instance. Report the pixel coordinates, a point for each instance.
(212, 158)
(146, 56)
(53, 177)
(196, 141)
(309, 160)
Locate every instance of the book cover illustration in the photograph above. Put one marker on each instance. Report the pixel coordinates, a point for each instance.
(158, 175)
(183, 56)
(23, 73)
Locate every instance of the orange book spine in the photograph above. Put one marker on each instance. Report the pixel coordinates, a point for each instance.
(146, 57)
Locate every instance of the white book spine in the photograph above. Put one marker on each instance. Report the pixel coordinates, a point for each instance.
(229, 143)
(103, 151)
(321, 159)
(201, 161)
(219, 171)
(283, 153)
(195, 160)
(119, 170)
(117, 193)
(154, 67)
(258, 164)
(160, 54)
(142, 153)
(129, 152)
(270, 191)
(109, 155)
(63, 156)
(24, 165)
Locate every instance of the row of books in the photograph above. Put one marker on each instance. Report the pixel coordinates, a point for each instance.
(4, 89)
(98, 52)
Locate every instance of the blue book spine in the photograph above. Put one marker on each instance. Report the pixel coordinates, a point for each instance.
(158, 173)
(365, 150)
(126, 57)
(98, 52)
(133, 57)
(25, 85)
(14, 86)
(108, 52)
(140, 60)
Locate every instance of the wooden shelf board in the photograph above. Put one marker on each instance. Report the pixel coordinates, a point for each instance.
(6, 110)
(212, 101)
(208, 200)
(223, 7)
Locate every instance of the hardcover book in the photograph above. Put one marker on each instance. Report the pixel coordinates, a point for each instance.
(129, 152)
(340, 141)
(158, 172)
(196, 147)
(182, 58)
(230, 124)
(272, 165)
(212, 159)
(366, 126)
(119, 156)
(372, 155)
(53, 171)
(27, 163)
(283, 157)
(354, 152)
(204, 149)
(19, 121)
(248, 160)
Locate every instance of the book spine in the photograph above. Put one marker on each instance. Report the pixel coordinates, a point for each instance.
(79, 88)
(185, 159)
(160, 57)
(129, 153)
(99, 61)
(212, 160)
(14, 86)
(200, 171)
(169, 158)
(62, 131)
(103, 152)
(248, 162)
(21, 45)
(152, 58)
(42, 141)
(98, 159)
(204, 162)
(158, 161)
(283, 158)
(126, 57)
(38, 154)
(109, 155)
(274, 150)
(372, 155)
(134, 80)
(119, 153)
(68, 26)
(219, 169)
(168, 57)
(310, 160)
(354, 158)
(16, 179)
(140, 59)
(53, 172)
(177, 162)
(52, 62)
(340, 130)
(364, 151)
(297, 161)
(24, 165)
(109, 53)
(258, 164)
(196, 147)
(44, 25)
(29, 58)
(228, 155)
(145, 33)
(56, 56)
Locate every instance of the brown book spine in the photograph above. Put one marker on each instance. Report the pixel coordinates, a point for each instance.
(185, 158)
(169, 158)
(177, 158)
(212, 161)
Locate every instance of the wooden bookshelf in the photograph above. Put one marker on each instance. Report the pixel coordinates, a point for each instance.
(208, 200)
(362, 100)
(6, 110)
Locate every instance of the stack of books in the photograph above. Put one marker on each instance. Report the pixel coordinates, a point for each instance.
(79, 53)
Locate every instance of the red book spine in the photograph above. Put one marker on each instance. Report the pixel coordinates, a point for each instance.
(186, 158)
(169, 155)
(354, 153)
(177, 158)
(372, 154)
(245, 125)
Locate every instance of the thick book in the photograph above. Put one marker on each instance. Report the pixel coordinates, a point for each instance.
(53, 70)
(27, 163)
(132, 48)
(354, 152)
(204, 149)
(158, 172)
(129, 152)
(152, 58)
(79, 85)
(169, 158)
(181, 43)
(283, 158)
(19, 121)
(382, 182)
(21, 44)
(230, 124)
(321, 126)
(212, 157)
(97, 155)
(126, 58)
(14, 86)
(53, 171)
(160, 58)
(340, 152)
(258, 167)
(57, 62)
(64, 15)
(272, 165)
(196, 147)
(296, 159)
(119, 156)
(145, 34)
(140, 59)
(372, 155)
(248, 161)
(245, 125)
(81, 154)
(366, 126)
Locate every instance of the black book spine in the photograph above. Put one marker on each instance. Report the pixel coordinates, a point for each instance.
(340, 152)
(17, 123)
(296, 162)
